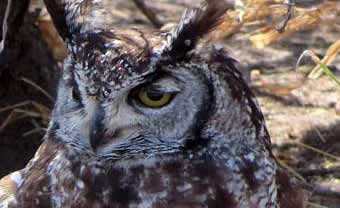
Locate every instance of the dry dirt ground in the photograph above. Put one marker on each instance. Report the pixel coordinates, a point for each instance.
(298, 111)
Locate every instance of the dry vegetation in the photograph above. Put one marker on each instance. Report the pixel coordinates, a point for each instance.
(268, 37)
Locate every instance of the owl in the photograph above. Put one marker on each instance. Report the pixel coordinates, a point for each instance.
(150, 119)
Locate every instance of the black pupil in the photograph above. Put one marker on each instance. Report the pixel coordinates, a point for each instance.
(154, 96)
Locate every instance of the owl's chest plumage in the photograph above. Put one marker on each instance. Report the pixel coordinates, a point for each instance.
(200, 181)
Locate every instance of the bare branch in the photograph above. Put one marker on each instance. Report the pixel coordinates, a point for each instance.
(148, 13)
(320, 190)
(318, 171)
(290, 4)
(5, 26)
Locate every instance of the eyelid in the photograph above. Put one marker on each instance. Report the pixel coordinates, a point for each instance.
(164, 85)
(162, 89)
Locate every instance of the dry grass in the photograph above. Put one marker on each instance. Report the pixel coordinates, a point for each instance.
(37, 113)
(305, 19)
(332, 52)
(256, 12)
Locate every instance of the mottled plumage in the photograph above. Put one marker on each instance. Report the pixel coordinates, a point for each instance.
(206, 147)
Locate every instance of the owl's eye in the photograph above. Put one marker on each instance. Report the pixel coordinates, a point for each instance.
(154, 99)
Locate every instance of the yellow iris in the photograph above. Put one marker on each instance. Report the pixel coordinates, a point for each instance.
(155, 101)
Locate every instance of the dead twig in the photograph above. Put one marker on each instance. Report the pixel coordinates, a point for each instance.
(311, 204)
(322, 138)
(148, 13)
(14, 106)
(306, 18)
(38, 88)
(5, 26)
(37, 129)
(26, 112)
(337, 158)
(43, 110)
(318, 171)
(332, 52)
(33, 131)
(291, 170)
(290, 4)
(320, 190)
(11, 118)
(7, 121)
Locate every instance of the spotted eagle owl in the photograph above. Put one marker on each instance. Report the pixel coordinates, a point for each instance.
(149, 119)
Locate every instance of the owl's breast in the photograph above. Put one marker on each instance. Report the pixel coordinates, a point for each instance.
(62, 179)
(184, 182)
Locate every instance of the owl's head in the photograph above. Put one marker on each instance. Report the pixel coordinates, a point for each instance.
(134, 93)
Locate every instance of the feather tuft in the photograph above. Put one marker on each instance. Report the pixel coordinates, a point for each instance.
(194, 24)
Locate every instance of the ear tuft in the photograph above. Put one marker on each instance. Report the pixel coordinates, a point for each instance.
(72, 17)
(194, 24)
